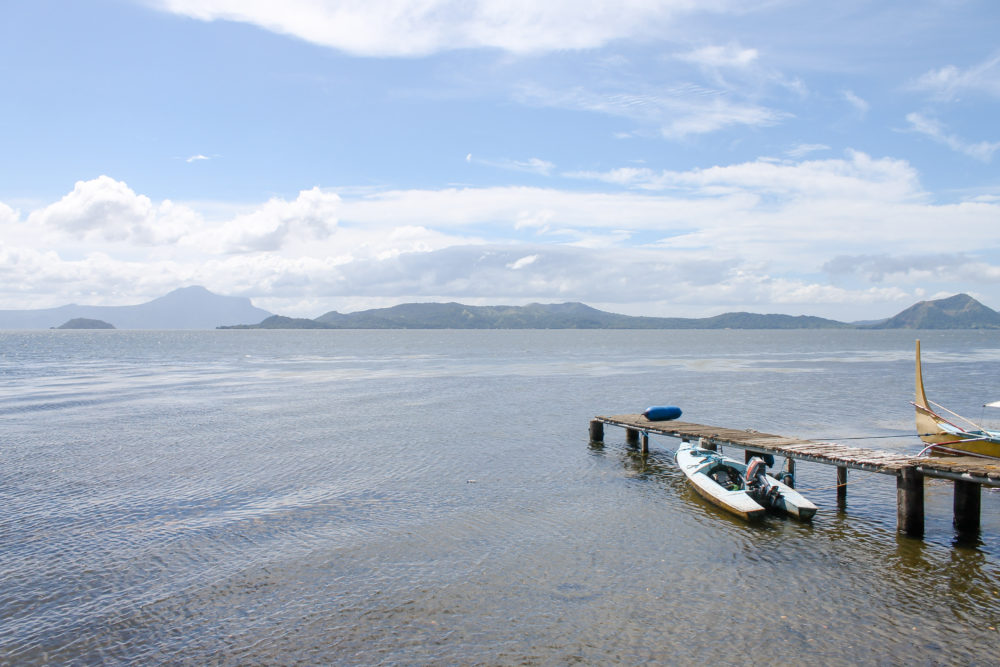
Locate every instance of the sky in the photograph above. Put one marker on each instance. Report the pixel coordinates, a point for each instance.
(678, 158)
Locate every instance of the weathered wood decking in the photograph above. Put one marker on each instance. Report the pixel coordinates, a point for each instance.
(968, 473)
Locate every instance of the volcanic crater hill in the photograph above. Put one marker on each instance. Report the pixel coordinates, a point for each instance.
(186, 308)
(956, 312)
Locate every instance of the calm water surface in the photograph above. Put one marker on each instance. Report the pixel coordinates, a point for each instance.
(430, 497)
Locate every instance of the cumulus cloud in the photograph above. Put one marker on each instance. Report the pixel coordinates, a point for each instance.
(7, 214)
(729, 236)
(311, 216)
(400, 28)
(109, 210)
(106, 210)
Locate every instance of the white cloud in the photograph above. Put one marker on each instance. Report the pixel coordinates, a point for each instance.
(859, 104)
(197, 158)
(677, 112)
(404, 28)
(721, 56)
(932, 128)
(8, 215)
(725, 237)
(720, 115)
(108, 210)
(856, 177)
(311, 216)
(805, 149)
(948, 83)
(523, 262)
(531, 166)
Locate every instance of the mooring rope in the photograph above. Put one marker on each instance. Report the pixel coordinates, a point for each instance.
(873, 437)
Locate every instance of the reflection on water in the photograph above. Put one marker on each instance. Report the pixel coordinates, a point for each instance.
(430, 498)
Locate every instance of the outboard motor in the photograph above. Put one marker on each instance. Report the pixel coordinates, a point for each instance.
(757, 485)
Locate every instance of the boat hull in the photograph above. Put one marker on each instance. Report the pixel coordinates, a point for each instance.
(944, 437)
(698, 466)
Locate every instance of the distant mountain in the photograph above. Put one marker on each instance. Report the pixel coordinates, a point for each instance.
(281, 322)
(956, 312)
(197, 308)
(550, 316)
(459, 316)
(532, 316)
(185, 308)
(84, 323)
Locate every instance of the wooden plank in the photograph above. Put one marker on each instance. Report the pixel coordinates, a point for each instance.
(974, 470)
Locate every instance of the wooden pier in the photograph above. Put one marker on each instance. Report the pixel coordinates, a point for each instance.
(968, 473)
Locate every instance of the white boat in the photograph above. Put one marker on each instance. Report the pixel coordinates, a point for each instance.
(741, 488)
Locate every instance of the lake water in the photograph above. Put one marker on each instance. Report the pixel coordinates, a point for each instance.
(431, 497)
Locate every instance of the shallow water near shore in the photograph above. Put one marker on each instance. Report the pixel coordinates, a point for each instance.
(431, 497)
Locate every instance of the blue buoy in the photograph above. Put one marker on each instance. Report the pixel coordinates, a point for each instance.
(660, 413)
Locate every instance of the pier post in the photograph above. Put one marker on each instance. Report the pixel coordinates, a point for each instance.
(596, 430)
(631, 437)
(645, 443)
(841, 486)
(967, 506)
(910, 502)
(789, 467)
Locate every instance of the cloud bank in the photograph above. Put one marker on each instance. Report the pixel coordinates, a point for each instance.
(794, 233)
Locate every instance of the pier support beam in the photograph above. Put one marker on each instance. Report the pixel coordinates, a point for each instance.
(967, 503)
(910, 502)
(631, 437)
(645, 443)
(841, 486)
(596, 430)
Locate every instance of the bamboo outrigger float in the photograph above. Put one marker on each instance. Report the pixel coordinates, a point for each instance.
(944, 436)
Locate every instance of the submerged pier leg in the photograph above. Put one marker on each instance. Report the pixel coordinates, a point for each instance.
(645, 443)
(596, 430)
(841, 486)
(631, 437)
(910, 502)
(967, 506)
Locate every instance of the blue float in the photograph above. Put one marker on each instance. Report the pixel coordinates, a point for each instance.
(661, 413)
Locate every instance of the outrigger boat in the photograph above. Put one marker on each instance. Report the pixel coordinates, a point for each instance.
(743, 489)
(943, 435)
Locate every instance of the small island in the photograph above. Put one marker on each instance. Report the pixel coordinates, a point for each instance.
(85, 323)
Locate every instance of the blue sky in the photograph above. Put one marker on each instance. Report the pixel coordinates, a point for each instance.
(673, 158)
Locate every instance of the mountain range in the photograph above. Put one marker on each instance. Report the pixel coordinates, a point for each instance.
(197, 308)
(957, 312)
